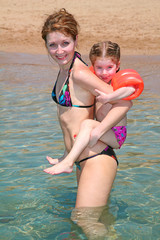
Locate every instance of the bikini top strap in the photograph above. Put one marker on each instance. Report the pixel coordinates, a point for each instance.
(76, 55)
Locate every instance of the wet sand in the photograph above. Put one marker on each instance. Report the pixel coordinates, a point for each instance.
(132, 24)
(15, 64)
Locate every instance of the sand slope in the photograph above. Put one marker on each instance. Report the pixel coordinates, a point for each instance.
(135, 25)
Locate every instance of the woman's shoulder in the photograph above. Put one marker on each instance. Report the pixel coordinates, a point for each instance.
(80, 71)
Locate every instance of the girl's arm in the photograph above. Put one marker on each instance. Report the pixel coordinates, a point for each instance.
(118, 109)
(117, 112)
(89, 81)
(114, 96)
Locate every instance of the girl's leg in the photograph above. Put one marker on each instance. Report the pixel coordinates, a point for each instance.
(53, 161)
(81, 142)
(110, 139)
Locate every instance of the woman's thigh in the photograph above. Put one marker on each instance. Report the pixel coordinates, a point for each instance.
(96, 179)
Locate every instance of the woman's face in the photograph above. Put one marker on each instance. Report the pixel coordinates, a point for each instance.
(61, 47)
(105, 68)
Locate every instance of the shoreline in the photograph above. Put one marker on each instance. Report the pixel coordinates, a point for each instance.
(147, 66)
(42, 58)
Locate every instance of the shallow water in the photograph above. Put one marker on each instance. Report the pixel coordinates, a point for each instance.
(35, 205)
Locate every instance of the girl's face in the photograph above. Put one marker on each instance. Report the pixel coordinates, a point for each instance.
(61, 47)
(105, 68)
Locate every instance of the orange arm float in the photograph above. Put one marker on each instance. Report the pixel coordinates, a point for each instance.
(127, 78)
(91, 69)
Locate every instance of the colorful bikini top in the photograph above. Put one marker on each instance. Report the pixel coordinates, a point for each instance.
(64, 96)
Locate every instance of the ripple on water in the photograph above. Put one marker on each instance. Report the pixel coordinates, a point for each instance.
(35, 205)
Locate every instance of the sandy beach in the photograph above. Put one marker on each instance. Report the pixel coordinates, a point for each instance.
(132, 24)
(35, 205)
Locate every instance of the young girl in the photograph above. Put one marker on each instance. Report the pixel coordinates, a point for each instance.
(105, 59)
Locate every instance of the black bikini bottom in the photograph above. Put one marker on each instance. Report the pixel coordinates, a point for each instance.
(107, 151)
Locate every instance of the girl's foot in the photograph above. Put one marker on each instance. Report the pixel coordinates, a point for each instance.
(61, 167)
(53, 161)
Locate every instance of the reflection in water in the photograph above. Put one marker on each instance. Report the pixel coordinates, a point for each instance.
(96, 223)
(38, 206)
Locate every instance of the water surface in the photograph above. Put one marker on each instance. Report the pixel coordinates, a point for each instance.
(35, 205)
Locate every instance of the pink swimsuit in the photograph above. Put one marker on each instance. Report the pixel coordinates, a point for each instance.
(120, 133)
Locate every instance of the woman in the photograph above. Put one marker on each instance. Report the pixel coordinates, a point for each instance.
(105, 59)
(74, 93)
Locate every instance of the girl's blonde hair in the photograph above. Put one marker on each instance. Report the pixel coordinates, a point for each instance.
(105, 49)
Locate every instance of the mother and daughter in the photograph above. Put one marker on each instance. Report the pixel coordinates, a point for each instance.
(82, 96)
(105, 59)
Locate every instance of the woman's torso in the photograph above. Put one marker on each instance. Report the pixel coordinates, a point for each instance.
(74, 103)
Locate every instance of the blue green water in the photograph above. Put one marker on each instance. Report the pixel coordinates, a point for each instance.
(35, 205)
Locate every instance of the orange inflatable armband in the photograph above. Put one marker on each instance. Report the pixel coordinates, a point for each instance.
(126, 78)
(91, 69)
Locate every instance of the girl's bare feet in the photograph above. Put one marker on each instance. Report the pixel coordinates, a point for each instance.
(61, 167)
(53, 161)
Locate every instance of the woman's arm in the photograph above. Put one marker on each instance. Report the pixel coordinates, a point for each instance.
(114, 116)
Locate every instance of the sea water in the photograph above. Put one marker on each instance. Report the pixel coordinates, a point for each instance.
(36, 205)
